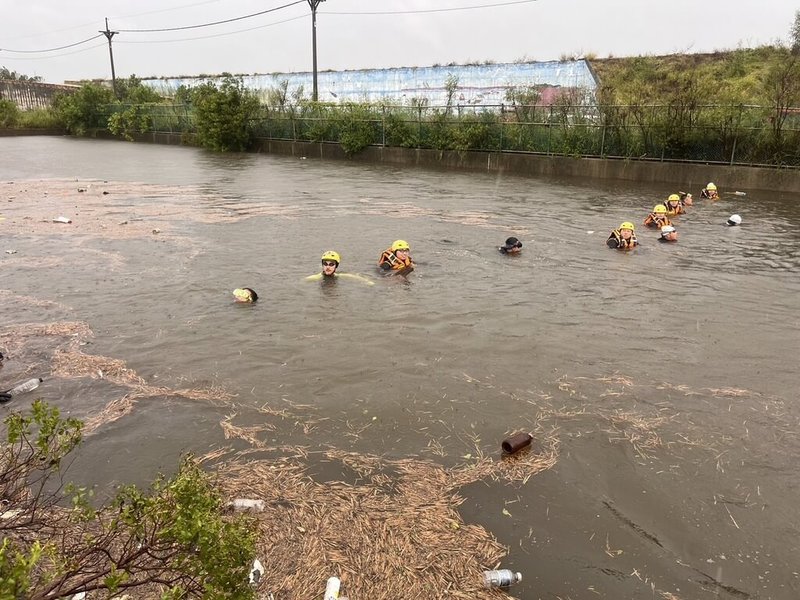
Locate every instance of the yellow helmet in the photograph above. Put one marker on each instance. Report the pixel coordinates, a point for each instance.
(400, 245)
(659, 209)
(711, 186)
(627, 225)
(674, 198)
(331, 255)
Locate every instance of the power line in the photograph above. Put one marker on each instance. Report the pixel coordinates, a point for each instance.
(54, 55)
(431, 10)
(141, 14)
(215, 35)
(166, 29)
(263, 12)
(52, 49)
(162, 10)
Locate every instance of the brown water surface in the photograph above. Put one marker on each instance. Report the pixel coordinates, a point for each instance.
(668, 374)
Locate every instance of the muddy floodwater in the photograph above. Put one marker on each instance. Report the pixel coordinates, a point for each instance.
(663, 381)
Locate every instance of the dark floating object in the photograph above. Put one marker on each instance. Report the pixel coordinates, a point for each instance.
(516, 442)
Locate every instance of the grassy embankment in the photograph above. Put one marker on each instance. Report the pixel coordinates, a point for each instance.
(708, 107)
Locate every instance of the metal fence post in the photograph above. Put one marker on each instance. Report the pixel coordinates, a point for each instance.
(419, 127)
(502, 125)
(603, 140)
(549, 130)
(736, 135)
(383, 126)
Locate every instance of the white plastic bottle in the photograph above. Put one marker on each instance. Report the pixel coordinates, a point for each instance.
(332, 588)
(246, 505)
(501, 578)
(25, 387)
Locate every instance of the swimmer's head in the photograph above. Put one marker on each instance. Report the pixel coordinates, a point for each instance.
(330, 262)
(668, 232)
(512, 246)
(245, 295)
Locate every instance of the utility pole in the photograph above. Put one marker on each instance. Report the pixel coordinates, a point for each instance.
(110, 34)
(313, 4)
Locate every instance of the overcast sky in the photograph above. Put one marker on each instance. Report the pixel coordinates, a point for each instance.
(280, 41)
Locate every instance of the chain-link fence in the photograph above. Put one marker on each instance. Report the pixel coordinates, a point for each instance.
(733, 135)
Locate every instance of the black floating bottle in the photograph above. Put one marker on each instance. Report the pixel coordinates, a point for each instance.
(516, 442)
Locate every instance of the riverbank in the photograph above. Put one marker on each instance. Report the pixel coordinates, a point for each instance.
(684, 176)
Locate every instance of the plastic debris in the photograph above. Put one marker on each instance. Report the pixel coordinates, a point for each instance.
(22, 388)
(62, 220)
(332, 588)
(516, 442)
(256, 573)
(501, 578)
(245, 505)
(10, 513)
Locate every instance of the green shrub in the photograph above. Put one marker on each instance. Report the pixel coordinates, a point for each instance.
(356, 128)
(9, 113)
(85, 110)
(129, 121)
(173, 535)
(400, 129)
(476, 132)
(316, 123)
(224, 116)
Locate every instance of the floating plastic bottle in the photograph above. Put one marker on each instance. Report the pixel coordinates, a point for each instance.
(332, 588)
(516, 442)
(737, 193)
(501, 578)
(256, 572)
(23, 388)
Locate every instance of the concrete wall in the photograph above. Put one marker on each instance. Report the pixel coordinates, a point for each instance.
(29, 95)
(16, 132)
(691, 177)
(478, 85)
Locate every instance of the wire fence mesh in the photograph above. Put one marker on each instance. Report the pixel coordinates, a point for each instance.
(732, 135)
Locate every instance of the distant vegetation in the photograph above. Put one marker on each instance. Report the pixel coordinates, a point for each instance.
(739, 106)
(9, 75)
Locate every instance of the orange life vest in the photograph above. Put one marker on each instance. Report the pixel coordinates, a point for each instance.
(657, 221)
(622, 243)
(395, 261)
(673, 211)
